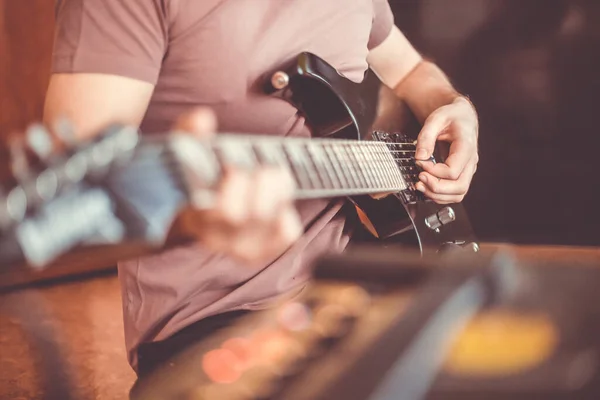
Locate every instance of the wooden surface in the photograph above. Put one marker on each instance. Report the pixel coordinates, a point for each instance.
(65, 338)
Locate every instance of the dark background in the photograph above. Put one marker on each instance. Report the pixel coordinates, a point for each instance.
(530, 66)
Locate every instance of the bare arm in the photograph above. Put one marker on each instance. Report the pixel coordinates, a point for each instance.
(420, 83)
(92, 101)
(446, 116)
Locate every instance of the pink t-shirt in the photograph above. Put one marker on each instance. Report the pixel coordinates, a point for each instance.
(215, 53)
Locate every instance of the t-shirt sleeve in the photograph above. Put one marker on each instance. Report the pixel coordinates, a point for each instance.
(383, 21)
(117, 37)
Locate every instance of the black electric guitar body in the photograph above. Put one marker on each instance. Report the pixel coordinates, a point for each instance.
(337, 107)
(119, 195)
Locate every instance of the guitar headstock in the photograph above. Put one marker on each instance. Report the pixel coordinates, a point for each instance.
(91, 193)
(51, 173)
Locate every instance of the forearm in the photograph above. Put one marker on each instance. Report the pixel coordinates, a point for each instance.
(425, 89)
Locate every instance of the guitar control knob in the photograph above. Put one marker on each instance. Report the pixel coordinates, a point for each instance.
(443, 217)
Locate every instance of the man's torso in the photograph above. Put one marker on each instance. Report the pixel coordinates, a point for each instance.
(217, 53)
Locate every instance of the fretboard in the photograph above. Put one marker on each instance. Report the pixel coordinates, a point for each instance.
(320, 167)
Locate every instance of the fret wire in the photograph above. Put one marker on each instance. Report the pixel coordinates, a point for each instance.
(238, 153)
(346, 166)
(271, 154)
(389, 167)
(394, 158)
(340, 172)
(302, 180)
(349, 169)
(366, 170)
(388, 171)
(335, 177)
(403, 176)
(374, 167)
(316, 153)
(305, 159)
(356, 163)
(363, 163)
(382, 171)
(371, 165)
(394, 164)
(358, 168)
(400, 174)
(399, 158)
(376, 170)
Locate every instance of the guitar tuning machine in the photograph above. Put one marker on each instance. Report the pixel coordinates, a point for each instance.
(40, 141)
(116, 144)
(20, 168)
(65, 131)
(13, 206)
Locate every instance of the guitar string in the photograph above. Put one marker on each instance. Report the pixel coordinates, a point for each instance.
(377, 174)
(356, 181)
(369, 151)
(370, 158)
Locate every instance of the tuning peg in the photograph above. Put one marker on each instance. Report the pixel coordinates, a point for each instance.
(19, 163)
(15, 204)
(40, 141)
(65, 131)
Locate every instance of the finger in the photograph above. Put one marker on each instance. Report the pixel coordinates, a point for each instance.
(444, 191)
(445, 186)
(264, 243)
(272, 188)
(231, 206)
(427, 138)
(441, 198)
(289, 226)
(200, 122)
(461, 153)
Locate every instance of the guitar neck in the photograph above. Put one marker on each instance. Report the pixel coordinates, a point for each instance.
(320, 167)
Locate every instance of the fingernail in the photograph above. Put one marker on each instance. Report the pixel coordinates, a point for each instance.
(420, 187)
(421, 154)
(423, 178)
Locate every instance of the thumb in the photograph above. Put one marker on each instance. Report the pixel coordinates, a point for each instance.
(428, 137)
(200, 122)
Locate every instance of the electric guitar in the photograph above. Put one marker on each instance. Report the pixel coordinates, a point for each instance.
(118, 195)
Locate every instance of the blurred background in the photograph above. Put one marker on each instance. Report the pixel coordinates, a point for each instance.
(530, 66)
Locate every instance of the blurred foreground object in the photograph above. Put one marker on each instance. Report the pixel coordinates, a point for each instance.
(388, 324)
